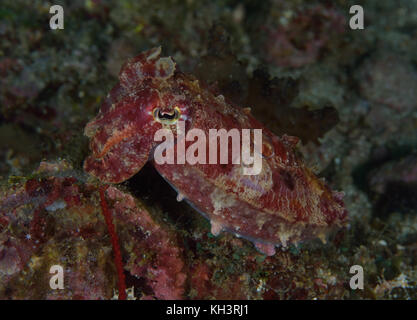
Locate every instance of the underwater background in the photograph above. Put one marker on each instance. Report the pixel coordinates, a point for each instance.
(349, 95)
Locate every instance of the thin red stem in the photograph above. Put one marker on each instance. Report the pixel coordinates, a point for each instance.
(115, 243)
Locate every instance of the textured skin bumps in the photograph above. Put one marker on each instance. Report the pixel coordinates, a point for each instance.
(285, 203)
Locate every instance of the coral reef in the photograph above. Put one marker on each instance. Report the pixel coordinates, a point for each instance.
(55, 218)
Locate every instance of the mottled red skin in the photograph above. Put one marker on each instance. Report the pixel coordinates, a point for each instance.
(284, 204)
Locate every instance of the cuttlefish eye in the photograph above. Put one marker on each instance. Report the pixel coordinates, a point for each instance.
(166, 117)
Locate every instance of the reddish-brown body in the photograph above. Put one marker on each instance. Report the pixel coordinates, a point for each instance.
(285, 203)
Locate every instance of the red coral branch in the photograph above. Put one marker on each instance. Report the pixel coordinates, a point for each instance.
(115, 243)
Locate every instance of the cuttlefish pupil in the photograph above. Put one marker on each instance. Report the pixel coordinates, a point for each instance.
(166, 117)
